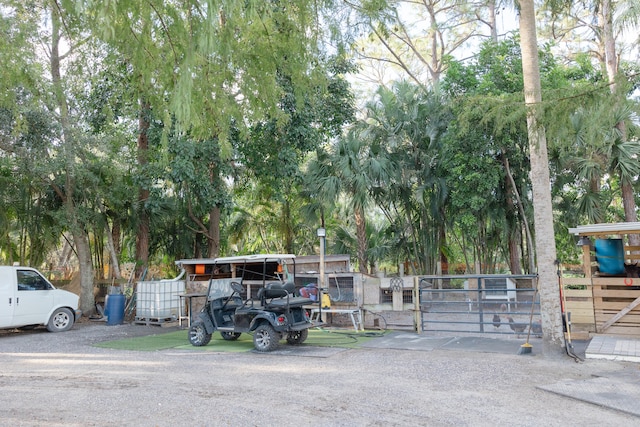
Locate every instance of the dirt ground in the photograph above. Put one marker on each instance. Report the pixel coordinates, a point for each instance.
(61, 379)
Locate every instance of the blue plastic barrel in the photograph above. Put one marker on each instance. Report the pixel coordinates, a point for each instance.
(115, 309)
(105, 312)
(610, 256)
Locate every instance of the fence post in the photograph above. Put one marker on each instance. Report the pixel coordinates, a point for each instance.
(417, 311)
(439, 281)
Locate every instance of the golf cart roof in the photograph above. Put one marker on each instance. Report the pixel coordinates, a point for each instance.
(237, 259)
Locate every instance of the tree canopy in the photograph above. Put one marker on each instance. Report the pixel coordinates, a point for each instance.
(145, 132)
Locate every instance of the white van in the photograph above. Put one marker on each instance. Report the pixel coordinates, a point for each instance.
(27, 299)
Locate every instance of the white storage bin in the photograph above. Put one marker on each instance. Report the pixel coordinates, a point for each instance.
(159, 299)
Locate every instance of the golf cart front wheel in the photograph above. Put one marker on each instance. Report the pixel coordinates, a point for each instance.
(198, 335)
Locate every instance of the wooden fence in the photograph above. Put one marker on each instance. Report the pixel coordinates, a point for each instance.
(604, 305)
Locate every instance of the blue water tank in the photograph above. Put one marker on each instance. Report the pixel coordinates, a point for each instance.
(105, 312)
(114, 309)
(610, 256)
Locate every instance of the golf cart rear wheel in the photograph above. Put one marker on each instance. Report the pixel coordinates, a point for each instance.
(230, 336)
(198, 335)
(297, 337)
(265, 338)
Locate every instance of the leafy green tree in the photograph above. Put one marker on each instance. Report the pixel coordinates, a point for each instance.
(48, 86)
(273, 156)
(485, 207)
(605, 22)
(197, 172)
(207, 63)
(213, 68)
(28, 225)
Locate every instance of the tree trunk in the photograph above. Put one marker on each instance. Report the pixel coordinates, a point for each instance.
(609, 42)
(545, 246)
(214, 232)
(629, 203)
(114, 271)
(142, 238)
(515, 259)
(444, 261)
(78, 231)
(514, 243)
(492, 21)
(115, 236)
(361, 233)
(83, 249)
(286, 227)
(611, 62)
(115, 264)
(435, 51)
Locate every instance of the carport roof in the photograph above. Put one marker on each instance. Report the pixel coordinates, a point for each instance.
(606, 229)
(235, 259)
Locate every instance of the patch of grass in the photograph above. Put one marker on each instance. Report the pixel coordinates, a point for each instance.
(149, 342)
(180, 340)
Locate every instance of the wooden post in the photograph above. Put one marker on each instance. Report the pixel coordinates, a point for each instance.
(439, 281)
(586, 260)
(417, 313)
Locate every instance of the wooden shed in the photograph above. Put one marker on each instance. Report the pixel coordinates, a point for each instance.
(605, 297)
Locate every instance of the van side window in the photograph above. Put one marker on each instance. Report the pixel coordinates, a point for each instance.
(31, 281)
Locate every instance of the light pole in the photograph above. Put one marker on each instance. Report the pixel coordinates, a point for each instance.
(322, 233)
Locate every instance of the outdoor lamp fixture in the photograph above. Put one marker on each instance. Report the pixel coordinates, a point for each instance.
(322, 233)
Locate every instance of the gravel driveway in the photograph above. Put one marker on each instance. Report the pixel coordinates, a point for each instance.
(60, 379)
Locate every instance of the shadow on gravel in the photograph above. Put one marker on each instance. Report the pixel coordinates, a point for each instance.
(180, 340)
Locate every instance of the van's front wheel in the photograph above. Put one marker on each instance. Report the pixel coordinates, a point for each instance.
(61, 320)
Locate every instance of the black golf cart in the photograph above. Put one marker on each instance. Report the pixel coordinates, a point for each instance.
(258, 298)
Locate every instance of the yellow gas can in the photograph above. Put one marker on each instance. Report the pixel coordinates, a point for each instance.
(325, 301)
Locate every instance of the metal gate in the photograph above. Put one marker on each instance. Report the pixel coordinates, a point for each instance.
(485, 304)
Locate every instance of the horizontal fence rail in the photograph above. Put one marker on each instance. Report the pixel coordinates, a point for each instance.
(485, 304)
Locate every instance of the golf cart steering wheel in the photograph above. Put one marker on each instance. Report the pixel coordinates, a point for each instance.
(237, 287)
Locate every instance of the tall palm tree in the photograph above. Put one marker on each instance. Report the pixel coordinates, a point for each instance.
(543, 213)
(353, 167)
(597, 148)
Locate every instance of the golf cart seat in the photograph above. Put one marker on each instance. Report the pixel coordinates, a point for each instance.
(280, 295)
(276, 290)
